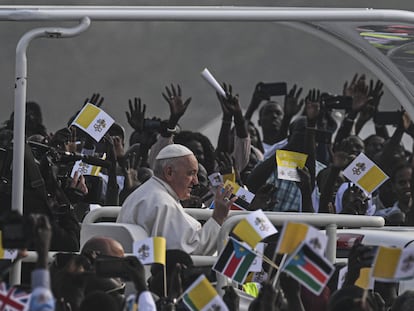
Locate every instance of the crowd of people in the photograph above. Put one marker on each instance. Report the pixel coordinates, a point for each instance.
(166, 168)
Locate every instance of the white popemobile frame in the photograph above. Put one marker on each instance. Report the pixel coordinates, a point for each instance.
(334, 25)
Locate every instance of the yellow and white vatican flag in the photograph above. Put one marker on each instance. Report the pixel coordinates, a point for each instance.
(254, 228)
(293, 234)
(6, 253)
(393, 264)
(94, 121)
(85, 169)
(365, 173)
(150, 250)
(288, 162)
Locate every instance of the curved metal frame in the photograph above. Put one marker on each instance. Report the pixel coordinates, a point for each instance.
(402, 92)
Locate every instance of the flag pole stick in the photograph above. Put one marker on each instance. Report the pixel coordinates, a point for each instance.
(271, 266)
(281, 264)
(164, 268)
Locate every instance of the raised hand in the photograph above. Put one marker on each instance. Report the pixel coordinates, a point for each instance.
(313, 104)
(349, 89)
(375, 92)
(359, 91)
(96, 100)
(136, 114)
(292, 103)
(177, 105)
(258, 96)
(130, 169)
(222, 203)
(230, 103)
(360, 95)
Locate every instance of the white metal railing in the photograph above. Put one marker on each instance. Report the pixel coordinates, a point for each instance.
(330, 222)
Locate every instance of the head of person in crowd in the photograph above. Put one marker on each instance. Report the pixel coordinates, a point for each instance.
(34, 120)
(354, 201)
(351, 299)
(60, 139)
(201, 147)
(270, 118)
(404, 302)
(401, 184)
(352, 145)
(297, 131)
(6, 137)
(112, 287)
(255, 138)
(200, 190)
(177, 166)
(103, 246)
(373, 145)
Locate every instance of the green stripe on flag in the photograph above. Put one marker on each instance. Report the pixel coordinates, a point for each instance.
(189, 303)
(244, 268)
(304, 277)
(87, 115)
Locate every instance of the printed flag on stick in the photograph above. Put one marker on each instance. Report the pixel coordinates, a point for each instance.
(365, 280)
(294, 233)
(6, 253)
(201, 296)
(235, 261)
(94, 121)
(244, 197)
(85, 169)
(392, 264)
(13, 299)
(365, 173)
(288, 162)
(150, 250)
(254, 228)
(309, 268)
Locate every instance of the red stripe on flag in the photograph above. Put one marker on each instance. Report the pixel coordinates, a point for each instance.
(7, 301)
(232, 266)
(311, 268)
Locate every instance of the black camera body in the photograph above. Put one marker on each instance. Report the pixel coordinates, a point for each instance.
(112, 267)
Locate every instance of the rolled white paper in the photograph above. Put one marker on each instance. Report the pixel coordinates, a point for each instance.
(212, 81)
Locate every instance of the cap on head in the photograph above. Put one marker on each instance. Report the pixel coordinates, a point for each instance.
(173, 151)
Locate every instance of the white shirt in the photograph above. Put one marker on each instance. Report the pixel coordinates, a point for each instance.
(156, 207)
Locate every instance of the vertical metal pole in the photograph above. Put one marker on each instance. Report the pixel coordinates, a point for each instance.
(20, 114)
(331, 247)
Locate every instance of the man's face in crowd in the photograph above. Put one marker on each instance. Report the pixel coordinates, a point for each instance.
(374, 146)
(196, 147)
(271, 116)
(354, 145)
(182, 176)
(402, 184)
